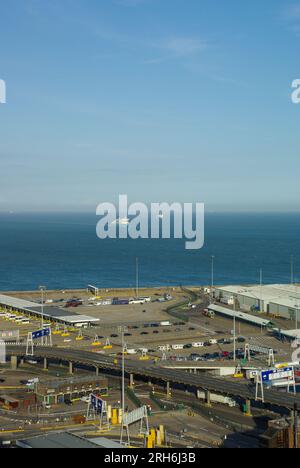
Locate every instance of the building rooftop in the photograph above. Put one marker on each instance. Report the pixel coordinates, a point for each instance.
(239, 315)
(291, 302)
(16, 303)
(106, 443)
(268, 293)
(65, 440)
(50, 312)
(57, 383)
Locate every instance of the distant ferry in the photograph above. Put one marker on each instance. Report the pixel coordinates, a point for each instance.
(122, 221)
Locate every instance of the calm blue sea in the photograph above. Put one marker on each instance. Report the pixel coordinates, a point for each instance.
(62, 251)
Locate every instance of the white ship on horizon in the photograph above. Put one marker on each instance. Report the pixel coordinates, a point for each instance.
(122, 221)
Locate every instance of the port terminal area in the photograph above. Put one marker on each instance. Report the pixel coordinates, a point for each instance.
(181, 329)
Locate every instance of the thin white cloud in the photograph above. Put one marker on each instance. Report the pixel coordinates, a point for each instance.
(292, 17)
(130, 3)
(293, 12)
(176, 48)
(184, 46)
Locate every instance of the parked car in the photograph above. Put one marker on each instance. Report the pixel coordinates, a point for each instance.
(227, 342)
(241, 340)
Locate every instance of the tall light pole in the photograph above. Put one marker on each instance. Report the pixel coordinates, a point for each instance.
(137, 277)
(297, 311)
(234, 329)
(261, 285)
(123, 330)
(42, 290)
(212, 271)
(292, 269)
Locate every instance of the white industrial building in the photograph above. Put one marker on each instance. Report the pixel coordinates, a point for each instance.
(281, 300)
(286, 307)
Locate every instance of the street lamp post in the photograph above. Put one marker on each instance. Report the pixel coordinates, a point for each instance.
(234, 329)
(137, 278)
(292, 269)
(297, 311)
(42, 290)
(212, 271)
(123, 330)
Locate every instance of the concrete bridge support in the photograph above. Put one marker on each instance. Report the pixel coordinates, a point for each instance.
(71, 368)
(131, 381)
(14, 362)
(46, 367)
(169, 392)
(248, 411)
(208, 398)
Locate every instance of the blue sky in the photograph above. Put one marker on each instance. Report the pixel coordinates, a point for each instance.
(164, 100)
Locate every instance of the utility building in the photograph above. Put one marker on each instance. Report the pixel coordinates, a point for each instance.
(274, 299)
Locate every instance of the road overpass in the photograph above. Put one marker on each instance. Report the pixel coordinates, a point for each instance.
(157, 374)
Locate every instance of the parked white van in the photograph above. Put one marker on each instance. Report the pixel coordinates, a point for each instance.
(164, 348)
(198, 345)
(177, 347)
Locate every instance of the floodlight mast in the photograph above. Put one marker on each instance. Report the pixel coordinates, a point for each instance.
(42, 290)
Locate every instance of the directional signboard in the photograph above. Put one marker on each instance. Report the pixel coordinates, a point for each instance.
(41, 333)
(259, 349)
(97, 403)
(278, 374)
(272, 377)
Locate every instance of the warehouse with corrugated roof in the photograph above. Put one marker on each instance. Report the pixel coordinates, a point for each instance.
(277, 299)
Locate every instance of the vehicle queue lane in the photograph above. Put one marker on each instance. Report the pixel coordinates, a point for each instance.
(159, 374)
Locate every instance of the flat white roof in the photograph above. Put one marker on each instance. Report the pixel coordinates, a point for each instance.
(16, 303)
(49, 311)
(240, 315)
(268, 293)
(292, 303)
(290, 333)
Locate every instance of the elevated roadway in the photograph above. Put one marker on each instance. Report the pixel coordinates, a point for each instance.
(160, 375)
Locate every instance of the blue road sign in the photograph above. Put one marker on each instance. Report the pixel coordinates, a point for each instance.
(277, 374)
(97, 403)
(41, 333)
